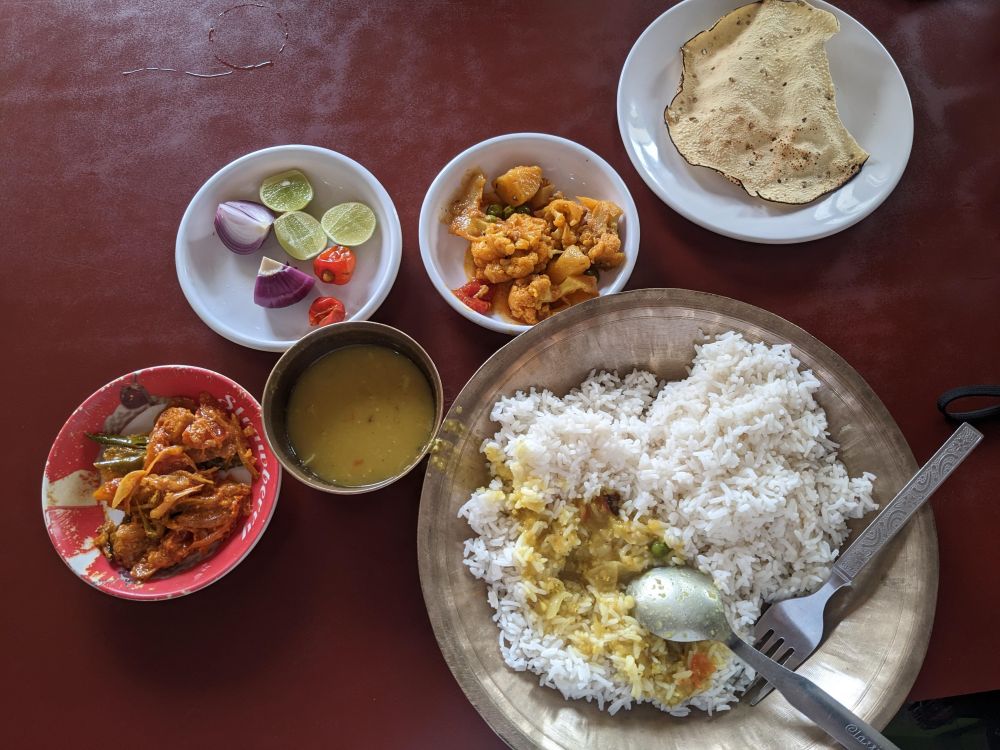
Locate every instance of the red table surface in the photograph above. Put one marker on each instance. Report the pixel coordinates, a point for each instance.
(320, 636)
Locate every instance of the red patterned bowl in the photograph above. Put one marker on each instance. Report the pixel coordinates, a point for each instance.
(72, 516)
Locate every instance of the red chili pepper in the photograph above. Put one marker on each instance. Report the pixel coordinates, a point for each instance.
(475, 295)
(325, 310)
(335, 265)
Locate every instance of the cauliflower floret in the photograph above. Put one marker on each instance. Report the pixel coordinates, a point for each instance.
(599, 234)
(525, 231)
(529, 298)
(603, 215)
(491, 246)
(607, 251)
(562, 211)
(564, 217)
(512, 249)
(516, 267)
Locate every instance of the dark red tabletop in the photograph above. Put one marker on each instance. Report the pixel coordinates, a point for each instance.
(320, 637)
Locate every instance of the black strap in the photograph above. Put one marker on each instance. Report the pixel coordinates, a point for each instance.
(976, 415)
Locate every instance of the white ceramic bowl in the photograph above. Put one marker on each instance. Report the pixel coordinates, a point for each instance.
(573, 169)
(219, 284)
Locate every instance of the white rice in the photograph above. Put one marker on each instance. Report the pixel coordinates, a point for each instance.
(735, 460)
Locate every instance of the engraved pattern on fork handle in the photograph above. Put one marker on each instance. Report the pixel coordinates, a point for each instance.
(914, 494)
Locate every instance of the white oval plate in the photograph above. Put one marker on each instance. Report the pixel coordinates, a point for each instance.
(871, 96)
(219, 284)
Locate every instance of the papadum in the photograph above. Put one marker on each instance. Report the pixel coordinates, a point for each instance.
(757, 103)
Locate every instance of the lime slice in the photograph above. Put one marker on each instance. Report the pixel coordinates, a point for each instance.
(288, 191)
(300, 234)
(349, 224)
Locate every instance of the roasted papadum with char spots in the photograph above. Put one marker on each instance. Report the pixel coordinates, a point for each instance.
(757, 103)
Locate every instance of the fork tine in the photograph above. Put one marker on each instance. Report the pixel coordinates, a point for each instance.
(766, 645)
(772, 648)
(763, 691)
(760, 639)
(757, 684)
(790, 660)
(786, 656)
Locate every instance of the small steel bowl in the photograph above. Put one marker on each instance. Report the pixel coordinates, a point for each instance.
(305, 352)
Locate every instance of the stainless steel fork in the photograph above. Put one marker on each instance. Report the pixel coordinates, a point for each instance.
(791, 630)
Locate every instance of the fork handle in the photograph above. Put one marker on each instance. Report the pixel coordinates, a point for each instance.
(914, 494)
(834, 718)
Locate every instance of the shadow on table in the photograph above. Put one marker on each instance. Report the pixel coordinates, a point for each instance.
(225, 633)
(966, 722)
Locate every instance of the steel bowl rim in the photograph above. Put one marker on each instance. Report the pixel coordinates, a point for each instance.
(380, 334)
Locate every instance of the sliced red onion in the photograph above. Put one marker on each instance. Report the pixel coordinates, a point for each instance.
(242, 225)
(279, 284)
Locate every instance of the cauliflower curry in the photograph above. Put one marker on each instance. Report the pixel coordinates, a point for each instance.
(532, 251)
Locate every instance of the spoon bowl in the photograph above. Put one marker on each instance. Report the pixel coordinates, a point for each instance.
(682, 604)
(679, 604)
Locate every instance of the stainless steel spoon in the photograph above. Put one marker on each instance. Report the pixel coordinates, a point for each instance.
(681, 604)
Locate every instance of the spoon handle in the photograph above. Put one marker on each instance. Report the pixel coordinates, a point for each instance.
(807, 697)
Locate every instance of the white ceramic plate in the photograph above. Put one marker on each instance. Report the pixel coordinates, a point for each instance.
(219, 284)
(574, 169)
(871, 97)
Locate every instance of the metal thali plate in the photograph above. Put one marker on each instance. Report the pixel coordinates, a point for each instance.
(868, 663)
